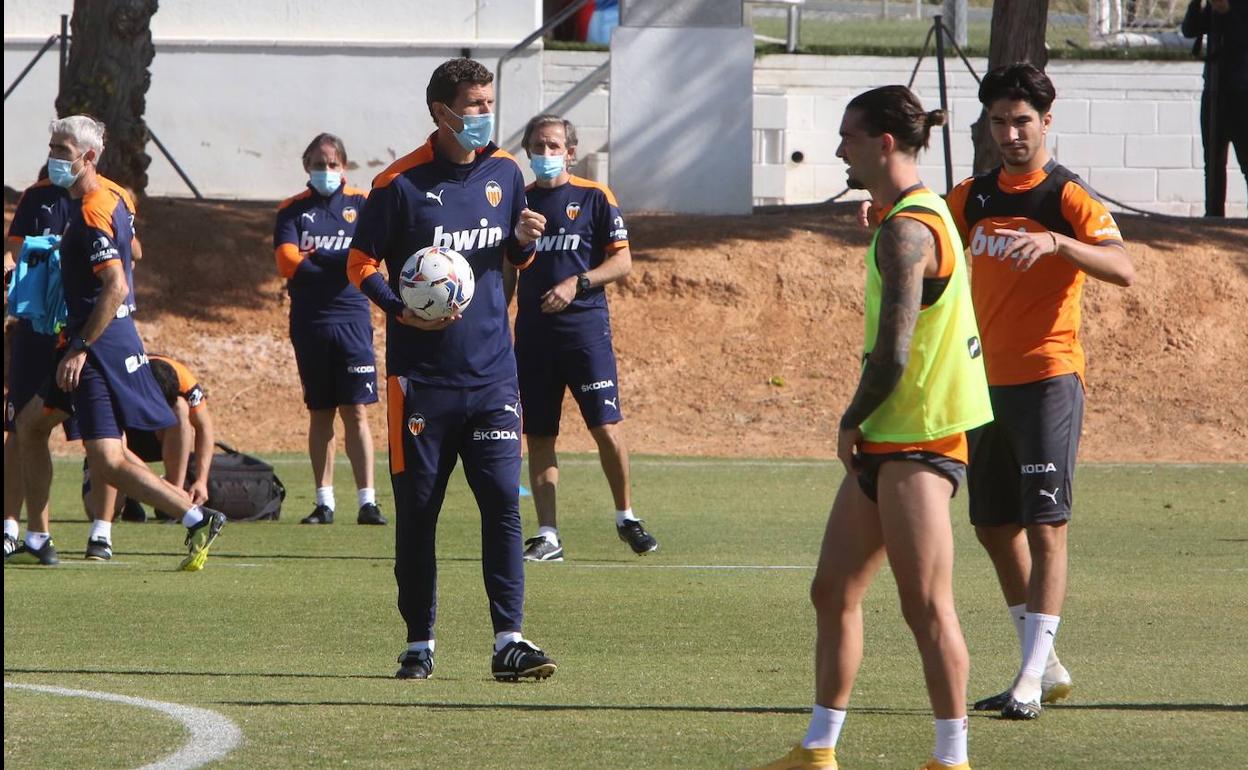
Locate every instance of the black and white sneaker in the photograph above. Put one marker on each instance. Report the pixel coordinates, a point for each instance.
(369, 514)
(24, 554)
(540, 549)
(521, 660)
(99, 549)
(321, 514)
(10, 545)
(415, 664)
(641, 541)
(1016, 709)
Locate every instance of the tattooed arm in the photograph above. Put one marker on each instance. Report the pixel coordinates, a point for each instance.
(902, 253)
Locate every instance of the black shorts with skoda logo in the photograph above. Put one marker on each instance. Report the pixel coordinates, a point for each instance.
(1022, 467)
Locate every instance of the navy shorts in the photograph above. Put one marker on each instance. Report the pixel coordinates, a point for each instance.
(869, 478)
(33, 360)
(55, 399)
(336, 364)
(544, 374)
(1023, 463)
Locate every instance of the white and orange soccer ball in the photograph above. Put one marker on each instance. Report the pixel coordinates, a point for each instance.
(436, 283)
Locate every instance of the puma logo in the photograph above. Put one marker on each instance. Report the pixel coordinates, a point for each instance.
(309, 215)
(437, 197)
(48, 207)
(983, 199)
(513, 409)
(1051, 495)
(369, 385)
(611, 402)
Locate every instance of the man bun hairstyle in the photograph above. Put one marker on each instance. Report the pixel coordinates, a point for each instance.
(444, 83)
(897, 111)
(1018, 82)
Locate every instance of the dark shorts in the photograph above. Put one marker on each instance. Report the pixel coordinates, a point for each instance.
(336, 364)
(1023, 463)
(146, 444)
(55, 399)
(869, 478)
(545, 372)
(33, 360)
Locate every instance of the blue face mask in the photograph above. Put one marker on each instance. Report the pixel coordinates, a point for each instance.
(477, 131)
(61, 172)
(547, 167)
(325, 182)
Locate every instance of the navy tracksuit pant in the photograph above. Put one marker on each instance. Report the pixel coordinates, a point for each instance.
(430, 429)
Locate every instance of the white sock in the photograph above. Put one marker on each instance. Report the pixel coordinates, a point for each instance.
(35, 540)
(504, 638)
(365, 496)
(1018, 616)
(824, 729)
(193, 516)
(325, 496)
(1040, 633)
(10, 528)
(623, 516)
(950, 741)
(101, 530)
(550, 533)
(418, 646)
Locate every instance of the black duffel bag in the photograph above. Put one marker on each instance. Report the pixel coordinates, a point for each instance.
(243, 487)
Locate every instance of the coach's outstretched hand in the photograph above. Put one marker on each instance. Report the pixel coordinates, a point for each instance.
(409, 318)
(530, 226)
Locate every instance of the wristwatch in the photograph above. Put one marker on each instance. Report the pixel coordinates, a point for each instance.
(582, 284)
(79, 344)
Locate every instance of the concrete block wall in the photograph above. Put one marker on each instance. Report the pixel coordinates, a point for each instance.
(1131, 129)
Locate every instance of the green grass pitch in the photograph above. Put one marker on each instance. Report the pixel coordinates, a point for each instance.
(694, 657)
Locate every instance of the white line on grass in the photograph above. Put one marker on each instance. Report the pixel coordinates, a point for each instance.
(212, 735)
(692, 566)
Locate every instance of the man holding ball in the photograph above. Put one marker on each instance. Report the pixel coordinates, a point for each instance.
(452, 389)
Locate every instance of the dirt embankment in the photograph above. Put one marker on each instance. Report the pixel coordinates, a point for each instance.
(736, 335)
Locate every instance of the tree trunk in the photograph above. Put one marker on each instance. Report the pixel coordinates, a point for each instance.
(107, 78)
(1017, 35)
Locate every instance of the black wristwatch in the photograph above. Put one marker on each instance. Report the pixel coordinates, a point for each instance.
(79, 343)
(582, 284)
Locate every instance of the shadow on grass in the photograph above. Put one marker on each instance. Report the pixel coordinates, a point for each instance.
(554, 707)
(149, 672)
(1230, 708)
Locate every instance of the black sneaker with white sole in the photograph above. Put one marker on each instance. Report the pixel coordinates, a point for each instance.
(641, 541)
(321, 514)
(540, 549)
(24, 554)
(99, 549)
(521, 660)
(1016, 709)
(415, 664)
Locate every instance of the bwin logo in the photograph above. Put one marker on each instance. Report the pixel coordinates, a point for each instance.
(560, 242)
(308, 241)
(587, 387)
(1032, 469)
(467, 240)
(991, 245)
(494, 435)
(133, 363)
(361, 369)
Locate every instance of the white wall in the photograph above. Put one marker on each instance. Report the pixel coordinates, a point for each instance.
(238, 88)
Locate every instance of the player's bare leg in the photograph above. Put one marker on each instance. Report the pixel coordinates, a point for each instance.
(613, 456)
(1007, 547)
(544, 480)
(14, 495)
(358, 438)
(321, 453)
(34, 427)
(914, 517)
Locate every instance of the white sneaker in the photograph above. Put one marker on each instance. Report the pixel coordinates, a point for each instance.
(1056, 684)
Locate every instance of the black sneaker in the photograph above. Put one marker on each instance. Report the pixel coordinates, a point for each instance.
(133, 511)
(992, 702)
(415, 664)
(1016, 709)
(99, 550)
(321, 514)
(521, 659)
(24, 554)
(10, 545)
(540, 549)
(369, 514)
(641, 541)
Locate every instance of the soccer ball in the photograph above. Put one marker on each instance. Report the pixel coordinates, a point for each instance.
(436, 282)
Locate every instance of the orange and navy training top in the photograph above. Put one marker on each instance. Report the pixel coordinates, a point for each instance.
(1029, 320)
(188, 384)
(100, 231)
(954, 446)
(424, 200)
(311, 241)
(583, 226)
